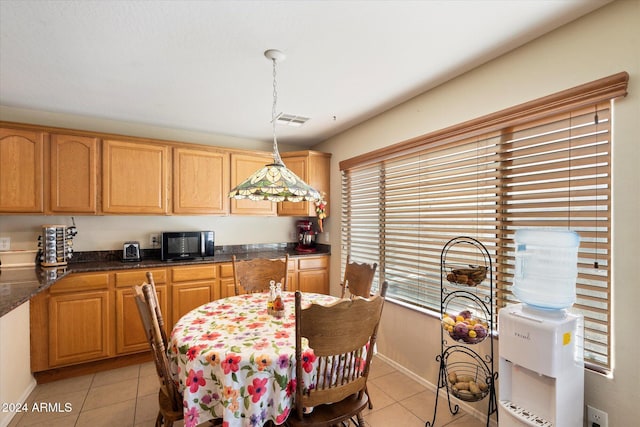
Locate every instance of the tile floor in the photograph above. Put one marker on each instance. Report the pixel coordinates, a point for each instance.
(128, 397)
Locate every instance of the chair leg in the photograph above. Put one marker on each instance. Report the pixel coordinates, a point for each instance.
(163, 421)
(366, 390)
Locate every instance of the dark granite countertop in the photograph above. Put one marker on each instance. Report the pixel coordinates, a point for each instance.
(19, 284)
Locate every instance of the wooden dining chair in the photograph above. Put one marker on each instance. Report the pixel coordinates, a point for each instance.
(338, 334)
(254, 275)
(358, 278)
(170, 399)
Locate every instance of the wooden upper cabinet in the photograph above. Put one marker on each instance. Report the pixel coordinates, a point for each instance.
(135, 177)
(200, 181)
(312, 167)
(243, 166)
(21, 171)
(73, 168)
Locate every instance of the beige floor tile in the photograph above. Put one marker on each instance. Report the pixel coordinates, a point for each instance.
(423, 404)
(467, 420)
(379, 398)
(393, 415)
(119, 414)
(148, 369)
(67, 421)
(147, 409)
(112, 393)
(65, 405)
(379, 368)
(148, 385)
(128, 397)
(116, 375)
(398, 385)
(16, 418)
(43, 391)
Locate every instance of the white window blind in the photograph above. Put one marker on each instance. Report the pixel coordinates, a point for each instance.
(400, 208)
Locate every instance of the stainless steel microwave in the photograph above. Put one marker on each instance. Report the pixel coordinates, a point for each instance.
(182, 245)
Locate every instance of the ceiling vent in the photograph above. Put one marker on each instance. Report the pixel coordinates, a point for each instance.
(290, 120)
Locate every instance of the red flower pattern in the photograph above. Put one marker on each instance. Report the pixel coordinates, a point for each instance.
(211, 336)
(257, 389)
(308, 357)
(283, 416)
(230, 363)
(195, 380)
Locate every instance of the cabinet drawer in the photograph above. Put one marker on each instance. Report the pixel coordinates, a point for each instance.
(139, 276)
(81, 282)
(188, 274)
(226, 270)
(311, 263)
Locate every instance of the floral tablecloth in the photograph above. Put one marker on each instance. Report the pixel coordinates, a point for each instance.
(234, 361)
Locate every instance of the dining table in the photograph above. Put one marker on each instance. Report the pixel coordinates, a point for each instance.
(234, 360)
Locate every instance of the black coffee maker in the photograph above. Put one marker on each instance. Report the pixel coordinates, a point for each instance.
(306, 236)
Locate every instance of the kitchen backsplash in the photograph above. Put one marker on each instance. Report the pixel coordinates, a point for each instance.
(103, 233)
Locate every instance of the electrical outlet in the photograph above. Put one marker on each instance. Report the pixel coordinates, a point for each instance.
(154, 240)
(596, 417)
(5, 243)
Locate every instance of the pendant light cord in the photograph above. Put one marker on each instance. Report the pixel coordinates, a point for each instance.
(276, 154)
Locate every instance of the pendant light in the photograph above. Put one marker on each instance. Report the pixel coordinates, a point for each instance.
(274, 182)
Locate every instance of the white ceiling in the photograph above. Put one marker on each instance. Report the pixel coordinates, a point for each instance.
(199, 65)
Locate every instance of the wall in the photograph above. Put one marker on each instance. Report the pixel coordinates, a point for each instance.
(16, 381)
(600, 44)
(109, 232)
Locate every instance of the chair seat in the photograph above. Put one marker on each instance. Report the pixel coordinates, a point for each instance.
(334, 413)
(166, 414)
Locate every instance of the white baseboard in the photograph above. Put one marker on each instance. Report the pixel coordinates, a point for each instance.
(23, 398)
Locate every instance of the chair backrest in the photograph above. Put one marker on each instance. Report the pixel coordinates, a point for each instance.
(147, 302)
(358, 278)
(339, 335)
(254, 275)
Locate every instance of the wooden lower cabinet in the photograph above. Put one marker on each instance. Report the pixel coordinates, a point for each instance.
(88, 318)
(227, 283)
(313, 274)
(71, 322)
(78, 327)
(130, 335)
(192, 286)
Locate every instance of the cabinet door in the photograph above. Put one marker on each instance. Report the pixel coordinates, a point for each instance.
(192, 286)
(21, 184)
(243, 166)
(73, 169)
(297, 165)
(227, 283)
(313, 281)
(78, 327)
(314, 168)
(313, 274)
(200, 182)
(135, 177)
(292, 272)
(187, 296)
(130, 334)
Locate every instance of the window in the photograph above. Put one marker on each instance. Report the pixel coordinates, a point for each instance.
(542, 164)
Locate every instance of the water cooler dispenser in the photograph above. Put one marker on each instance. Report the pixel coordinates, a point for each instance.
(541, 365)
